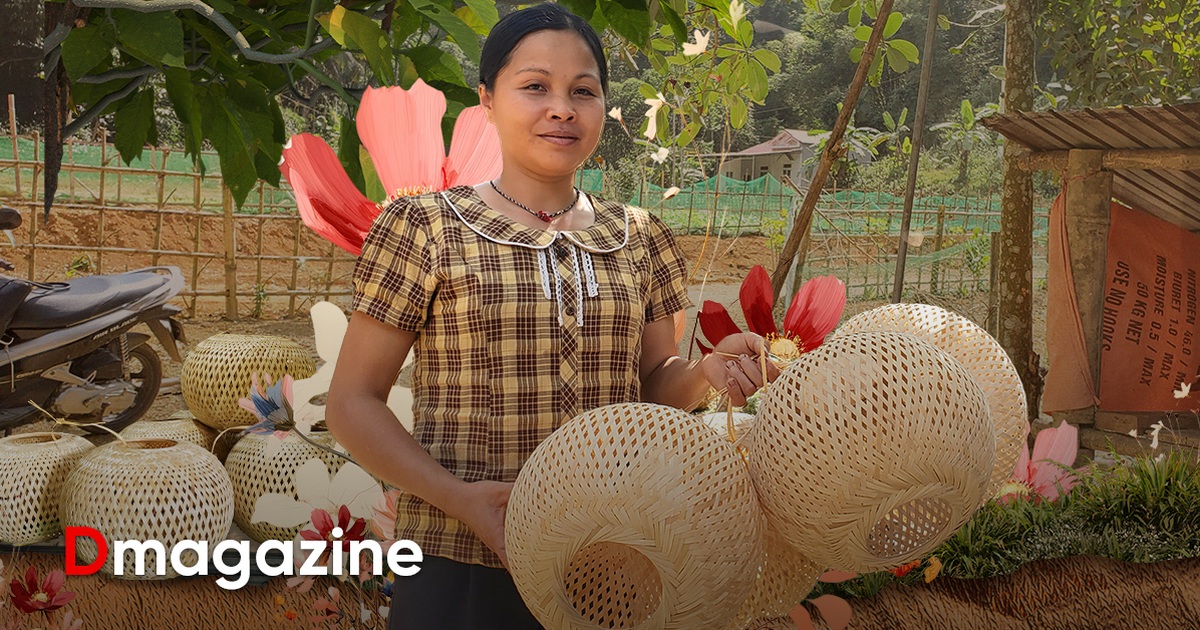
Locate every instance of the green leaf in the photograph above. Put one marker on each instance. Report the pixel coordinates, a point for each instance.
(757, 80)
(182, 93)
(658, 61)
(435, 64)
(348, 148)
(647, 90)
(254, 108)
(134, 122)
(768, 59)
(689, 133)
(943, 22)
(894, 21)
(485, 10)
(745, 33)
(862, 33)
(837, 6)
(408, 72)
(466, 38)
(897, 61)
(674, 21)
(156, 37)
(905, 48)
(856, 54)
(872, 9)
(360, 31)
(374, 189)
(889, 122)
(660, 44)
(854, 15)
(467, 15)
(85, 48)
(997, 71)
(875, 72)
(629, 18)
(967, 113)
(224, 130)
(738, 113)
(587, 10)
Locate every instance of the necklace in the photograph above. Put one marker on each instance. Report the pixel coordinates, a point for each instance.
(541, 215)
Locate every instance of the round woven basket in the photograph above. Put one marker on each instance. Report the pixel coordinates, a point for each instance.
(785, 578)
(983, 358)
(871, 450)
(634, 516)
(217, 373)
(33, 468)
(254, 474)
(143, 490)
(180, 426)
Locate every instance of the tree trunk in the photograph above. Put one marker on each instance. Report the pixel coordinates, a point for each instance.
(1016, 221)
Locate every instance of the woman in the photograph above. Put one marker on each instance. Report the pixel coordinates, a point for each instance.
(526, 303)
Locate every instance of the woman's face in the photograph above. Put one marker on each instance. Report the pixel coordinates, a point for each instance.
(547, 104)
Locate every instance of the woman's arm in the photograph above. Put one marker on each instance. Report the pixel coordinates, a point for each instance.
(357, 415)
(668, 379)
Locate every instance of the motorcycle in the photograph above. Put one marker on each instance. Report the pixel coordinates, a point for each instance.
(69, 347)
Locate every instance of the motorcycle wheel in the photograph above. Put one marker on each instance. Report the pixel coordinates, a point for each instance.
(145, 370)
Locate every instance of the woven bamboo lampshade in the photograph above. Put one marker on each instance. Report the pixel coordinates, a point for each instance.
(871, 450)
(634, 516)
(180, 426)
(217, 373)
(152, 489)
(785, 578)
(254, 474)
(983, 358)
(33, 469)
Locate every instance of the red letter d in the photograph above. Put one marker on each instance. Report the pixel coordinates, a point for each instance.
(74, 533)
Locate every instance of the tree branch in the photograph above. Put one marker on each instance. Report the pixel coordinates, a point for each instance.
(152, 6)
(99, 106)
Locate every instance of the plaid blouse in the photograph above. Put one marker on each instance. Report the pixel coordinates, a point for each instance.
(519, 329)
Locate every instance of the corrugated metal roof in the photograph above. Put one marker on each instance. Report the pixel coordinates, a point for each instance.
(1173, 195)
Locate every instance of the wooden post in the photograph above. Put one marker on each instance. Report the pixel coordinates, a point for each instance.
(833, 148)
(231, 306)
(1089, 198)
(295, 270)
(158, 217)
(196, 260)
(70, 170)
(258, 279)
(935, 268)
(37, 143)
(103, 162)
(12, 129)
(914, 161)
(993, 314)
(33, 243)
(100, 241)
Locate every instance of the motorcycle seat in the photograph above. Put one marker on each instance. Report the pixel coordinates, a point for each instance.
(84, 299)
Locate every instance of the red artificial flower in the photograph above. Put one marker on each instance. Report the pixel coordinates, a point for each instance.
(31, 597)
(904, 570)
(813, 313)
(324, 524)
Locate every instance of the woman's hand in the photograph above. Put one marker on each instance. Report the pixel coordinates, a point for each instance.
(734, 366)
(484, 504)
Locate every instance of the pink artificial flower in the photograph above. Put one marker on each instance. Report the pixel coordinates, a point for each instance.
(1043, 473)
(402, 131)
(383, 521)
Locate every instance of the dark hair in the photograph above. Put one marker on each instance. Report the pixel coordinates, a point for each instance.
(513, 28)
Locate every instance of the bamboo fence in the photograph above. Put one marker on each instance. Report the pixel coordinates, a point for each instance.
(259, 259)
